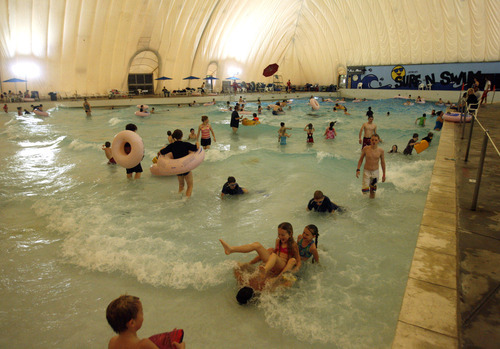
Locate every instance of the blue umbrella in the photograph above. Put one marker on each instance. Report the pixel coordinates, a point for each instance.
(232, 78)
(164, 78)
(15, 81)
(191, 78)
(211, 79)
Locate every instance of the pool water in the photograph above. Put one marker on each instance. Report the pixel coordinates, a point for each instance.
(75, 233)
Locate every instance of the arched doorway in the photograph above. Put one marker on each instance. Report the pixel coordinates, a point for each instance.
(141, 73)
(212, 72)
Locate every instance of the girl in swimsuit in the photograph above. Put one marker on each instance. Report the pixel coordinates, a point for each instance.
(310, 130)
(307, 243)
(330, 132)
(284, 257)
(205, 130)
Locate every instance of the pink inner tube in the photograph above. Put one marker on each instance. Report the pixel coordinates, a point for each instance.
(144, 106)
(455, 117)
(136, 149)
(314, 104)
(166, 166)
(142, 113)
(40, 113)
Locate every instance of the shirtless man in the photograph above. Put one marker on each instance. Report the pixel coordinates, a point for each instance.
(369, 129)
(370, 172)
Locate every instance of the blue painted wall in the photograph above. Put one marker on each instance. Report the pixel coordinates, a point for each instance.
(448, 76)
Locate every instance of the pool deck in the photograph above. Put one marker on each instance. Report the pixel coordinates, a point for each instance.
(451, 298)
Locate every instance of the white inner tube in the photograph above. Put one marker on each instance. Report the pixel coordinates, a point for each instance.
(166, 166)
(136, 154)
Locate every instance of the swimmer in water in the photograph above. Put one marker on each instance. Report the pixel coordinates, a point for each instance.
(282, 135)
(310, 130)
(308, 242)
(330, 132)
(284, 257)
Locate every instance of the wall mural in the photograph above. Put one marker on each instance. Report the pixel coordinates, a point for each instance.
(414, 76)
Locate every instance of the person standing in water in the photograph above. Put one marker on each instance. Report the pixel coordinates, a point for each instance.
(369, 129)
(179, 149)
(373, 155)
(235, 119)
(86, 107)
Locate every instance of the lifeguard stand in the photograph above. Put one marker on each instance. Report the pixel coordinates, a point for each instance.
(278, 83)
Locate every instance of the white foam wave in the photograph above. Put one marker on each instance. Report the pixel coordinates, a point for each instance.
(79, 145)
(110, 248)
(410, 176)
(114, 121)
(214, 154)
(153, 261)
(320, 155)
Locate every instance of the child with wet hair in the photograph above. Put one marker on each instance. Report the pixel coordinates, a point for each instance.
(109, 154)
(308, 241)
(125, 317)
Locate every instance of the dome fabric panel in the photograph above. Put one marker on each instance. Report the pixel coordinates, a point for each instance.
(87, 46)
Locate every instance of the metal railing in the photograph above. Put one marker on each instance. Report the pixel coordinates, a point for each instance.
(472, 109)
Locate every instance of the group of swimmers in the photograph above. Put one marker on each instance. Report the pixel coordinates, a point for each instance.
(278, 264)
(329, 133)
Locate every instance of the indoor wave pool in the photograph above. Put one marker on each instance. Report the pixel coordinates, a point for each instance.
(76, 233)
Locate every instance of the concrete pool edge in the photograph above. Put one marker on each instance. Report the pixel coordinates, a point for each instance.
(428, 316)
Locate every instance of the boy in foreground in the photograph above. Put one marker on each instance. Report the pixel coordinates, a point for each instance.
(125, 317)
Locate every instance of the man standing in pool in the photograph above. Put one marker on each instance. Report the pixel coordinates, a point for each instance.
(370, 172)
(235, 119)
(369, 129)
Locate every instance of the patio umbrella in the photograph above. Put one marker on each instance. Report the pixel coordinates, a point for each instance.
(232, 78)
(191, 78)
(15, 81)
(211, 79)
(163, 78)
(270, 70)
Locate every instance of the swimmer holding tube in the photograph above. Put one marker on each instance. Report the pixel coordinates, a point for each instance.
(179, 149)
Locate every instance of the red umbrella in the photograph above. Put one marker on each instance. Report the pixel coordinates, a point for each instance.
(271, 69)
